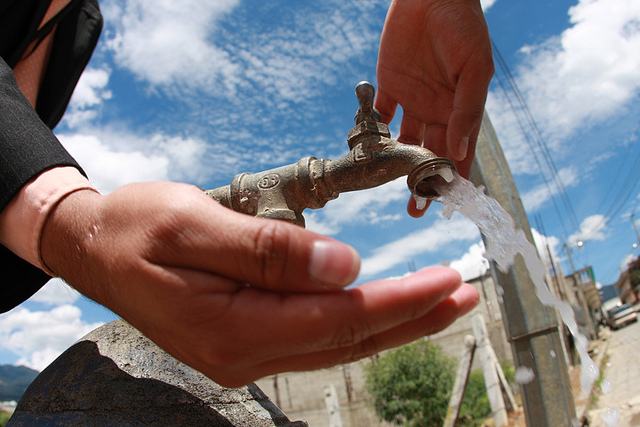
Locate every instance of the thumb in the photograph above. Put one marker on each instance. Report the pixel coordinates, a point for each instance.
(271, 254)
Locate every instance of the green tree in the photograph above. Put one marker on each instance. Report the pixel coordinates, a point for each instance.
(411, 385)
(4, 418)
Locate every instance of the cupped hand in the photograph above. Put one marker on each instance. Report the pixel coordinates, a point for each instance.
(435, 61)
(236, 297)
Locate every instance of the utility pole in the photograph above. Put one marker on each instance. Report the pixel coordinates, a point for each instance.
(567, 250)
(562, 291)
(635, 228)
(531, 327)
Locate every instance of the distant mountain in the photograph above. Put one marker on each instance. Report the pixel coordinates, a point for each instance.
(14, 380)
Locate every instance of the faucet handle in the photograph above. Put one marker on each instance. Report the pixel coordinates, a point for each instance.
(365, 92)
(367, 118)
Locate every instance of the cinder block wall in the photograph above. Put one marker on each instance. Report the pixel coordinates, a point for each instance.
(301, 394)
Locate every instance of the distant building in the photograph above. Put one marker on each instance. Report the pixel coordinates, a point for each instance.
(587, 305)
(623, 285)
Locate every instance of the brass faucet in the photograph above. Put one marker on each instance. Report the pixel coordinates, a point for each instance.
(374, 159)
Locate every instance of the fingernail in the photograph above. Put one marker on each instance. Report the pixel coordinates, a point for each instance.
(333, 263)
(462, 148)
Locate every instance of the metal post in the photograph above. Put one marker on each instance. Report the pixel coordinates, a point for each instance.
(276, 390)
(579, 292)
(531, 327)
(333, 405)
(567, 250)
(460, 384)
(488, 364)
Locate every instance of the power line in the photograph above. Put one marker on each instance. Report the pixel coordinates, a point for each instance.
(629, 184)
(536, 142)
(625, 191)
(527, 134)
(538, 137)
(535, 155)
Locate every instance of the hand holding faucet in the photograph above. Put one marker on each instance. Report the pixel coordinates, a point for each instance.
(435, 61)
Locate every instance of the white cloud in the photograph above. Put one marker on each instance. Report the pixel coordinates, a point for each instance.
(178, 46)
(38, 337)
(577, 79)
(591, 228)
(88, 96)
(56, 292)
(373, 217)
(359, 206)
(113, 158)
(92, 88)
(473, 263)
(167, 42)
(295, 58)
(108, 168)
(428, 240)
(539, 195)
(591, 70)
(315, 224)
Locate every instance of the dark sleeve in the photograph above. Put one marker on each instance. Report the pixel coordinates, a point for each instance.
(27, 148)
(27, 145)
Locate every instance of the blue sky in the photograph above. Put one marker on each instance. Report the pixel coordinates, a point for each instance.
(199, 91)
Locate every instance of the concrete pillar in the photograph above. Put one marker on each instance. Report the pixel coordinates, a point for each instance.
(531, 327)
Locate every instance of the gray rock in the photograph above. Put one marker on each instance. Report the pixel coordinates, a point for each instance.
(115, 376)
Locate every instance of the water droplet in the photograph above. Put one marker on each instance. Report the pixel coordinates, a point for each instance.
(421, 202)
(524, 375)
(605, 387)
(553, 354)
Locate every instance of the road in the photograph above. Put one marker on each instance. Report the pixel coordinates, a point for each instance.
(619, 403)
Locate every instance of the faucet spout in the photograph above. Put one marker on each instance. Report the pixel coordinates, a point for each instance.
(376, 162)
(374, 159)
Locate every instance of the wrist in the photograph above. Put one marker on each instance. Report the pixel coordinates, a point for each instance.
(67, 237)
(22, 220)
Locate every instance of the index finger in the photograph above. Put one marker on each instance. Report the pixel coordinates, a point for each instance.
(300, 324)
(385, 105)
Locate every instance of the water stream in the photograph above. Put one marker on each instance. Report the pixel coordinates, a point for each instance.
(503, 242)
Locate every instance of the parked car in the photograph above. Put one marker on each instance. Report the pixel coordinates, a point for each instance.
(621, 315)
